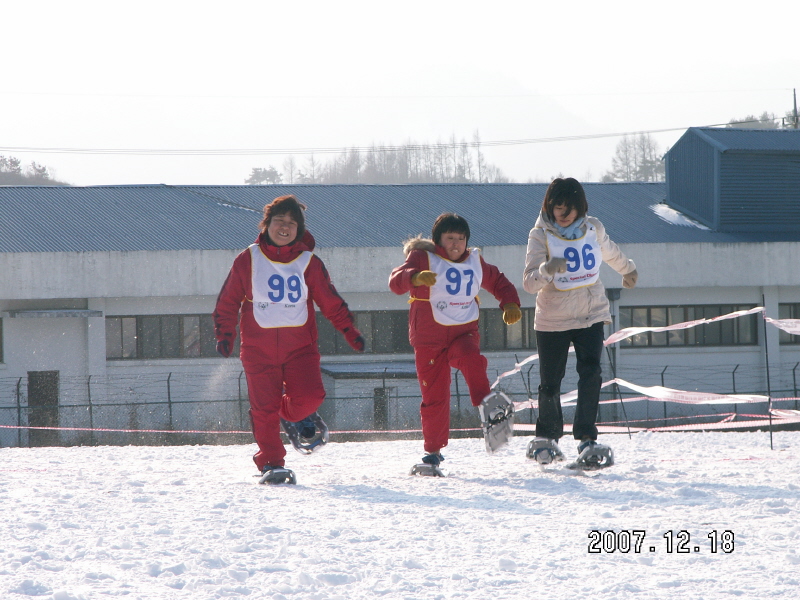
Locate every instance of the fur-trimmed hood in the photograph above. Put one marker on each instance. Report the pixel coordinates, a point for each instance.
(418, 243)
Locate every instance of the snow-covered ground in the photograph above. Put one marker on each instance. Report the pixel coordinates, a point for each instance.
(191, 522)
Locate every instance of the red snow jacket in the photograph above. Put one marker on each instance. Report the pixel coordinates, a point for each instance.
(423, 330)
(275, 345)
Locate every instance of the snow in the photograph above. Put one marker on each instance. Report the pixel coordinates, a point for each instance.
(670, 215)
(190, 522)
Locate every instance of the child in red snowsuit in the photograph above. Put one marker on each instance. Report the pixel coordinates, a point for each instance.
(443, 278)
(270, 292)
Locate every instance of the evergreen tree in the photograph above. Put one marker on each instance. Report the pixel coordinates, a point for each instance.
(268, 176)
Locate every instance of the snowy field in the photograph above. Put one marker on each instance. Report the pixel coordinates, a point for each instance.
(190, 522)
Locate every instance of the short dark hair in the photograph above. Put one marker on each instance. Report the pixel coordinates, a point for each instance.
(567, 192)
(449, 223)
(283, 205)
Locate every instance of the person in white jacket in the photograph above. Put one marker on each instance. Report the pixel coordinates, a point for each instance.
(565, 250)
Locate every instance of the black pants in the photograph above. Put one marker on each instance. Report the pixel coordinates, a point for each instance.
(553, 349)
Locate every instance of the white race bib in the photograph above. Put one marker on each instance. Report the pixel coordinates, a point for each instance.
(454, 295)
(583, 259)
(280, 293)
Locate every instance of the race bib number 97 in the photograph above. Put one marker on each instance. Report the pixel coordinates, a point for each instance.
(455, 279)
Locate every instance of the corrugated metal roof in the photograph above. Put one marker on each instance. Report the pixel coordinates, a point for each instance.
(117, 218)
(752, 140)
(161, 217)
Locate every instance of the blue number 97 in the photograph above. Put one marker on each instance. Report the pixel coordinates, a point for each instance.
(454, 277)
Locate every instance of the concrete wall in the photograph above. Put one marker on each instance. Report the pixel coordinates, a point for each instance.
(187, 282)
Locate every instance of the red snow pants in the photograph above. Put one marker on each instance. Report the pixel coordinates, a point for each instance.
(433, 370)
(291, 391)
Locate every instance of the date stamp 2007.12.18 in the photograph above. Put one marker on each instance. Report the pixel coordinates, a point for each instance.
(670, 542)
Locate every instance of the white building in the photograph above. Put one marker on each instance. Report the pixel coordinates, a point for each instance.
(106, 293)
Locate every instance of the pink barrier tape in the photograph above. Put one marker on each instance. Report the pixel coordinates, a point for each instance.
(789, 325)
(517, 367)
(214, 432)
(728, 421)
(118, 430)
(656, 392)
(630, 331)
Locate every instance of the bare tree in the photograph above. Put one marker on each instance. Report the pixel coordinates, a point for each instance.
(476, 139)
(312, 166)
(290, 169)
(636, 158)
(450, 162)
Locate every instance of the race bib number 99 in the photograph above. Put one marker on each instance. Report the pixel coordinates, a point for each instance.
(289, 288)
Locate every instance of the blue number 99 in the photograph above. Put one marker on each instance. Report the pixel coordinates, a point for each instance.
(276, 284)
(294, 288)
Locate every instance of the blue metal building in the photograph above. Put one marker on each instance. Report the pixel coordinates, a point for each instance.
(737, 180)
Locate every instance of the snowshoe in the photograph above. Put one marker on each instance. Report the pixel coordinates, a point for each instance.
(497, 420)
(429, 467)
(275, 475)
(544, 451)
(592, 456)
(308, 435)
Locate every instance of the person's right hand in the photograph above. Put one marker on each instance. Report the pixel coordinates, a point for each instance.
(426, 278)
(555, 265)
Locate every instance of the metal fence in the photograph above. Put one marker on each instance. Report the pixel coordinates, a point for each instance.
(174, 409)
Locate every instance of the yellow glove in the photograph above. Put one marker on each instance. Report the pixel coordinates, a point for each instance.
(423, 278)
(511, 313)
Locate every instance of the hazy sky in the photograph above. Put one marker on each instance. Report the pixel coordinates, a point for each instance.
(272, 76)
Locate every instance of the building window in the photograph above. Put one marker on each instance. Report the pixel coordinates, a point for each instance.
(741, 331)
(386, 332)
(161, 336)
(788, 311)
(496, 335)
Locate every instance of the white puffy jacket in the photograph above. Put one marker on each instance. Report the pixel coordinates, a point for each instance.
(573, 309)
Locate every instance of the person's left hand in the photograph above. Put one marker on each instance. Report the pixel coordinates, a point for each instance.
(629, 279)
(355, 339)
(224, 348)
(511, 313)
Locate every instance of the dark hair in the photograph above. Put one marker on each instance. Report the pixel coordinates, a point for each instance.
(283, 205)
(449, 223)
(567, 192)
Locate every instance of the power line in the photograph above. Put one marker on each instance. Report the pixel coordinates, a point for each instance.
(671, 92)
(331, 150)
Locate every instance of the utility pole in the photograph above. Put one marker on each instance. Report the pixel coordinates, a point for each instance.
(795, 107)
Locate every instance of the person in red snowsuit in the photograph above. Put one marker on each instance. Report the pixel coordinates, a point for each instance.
(443, 278)
(270, 293)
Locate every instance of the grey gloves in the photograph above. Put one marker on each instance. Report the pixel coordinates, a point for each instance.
(553, 266)
(629, 279)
